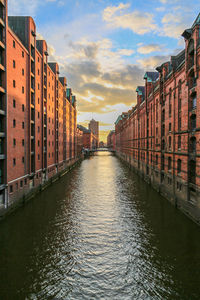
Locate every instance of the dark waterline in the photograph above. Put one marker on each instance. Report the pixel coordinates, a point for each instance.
(99, 233)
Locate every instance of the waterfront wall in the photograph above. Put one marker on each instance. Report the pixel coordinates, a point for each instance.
(159, 137)
(26, 194)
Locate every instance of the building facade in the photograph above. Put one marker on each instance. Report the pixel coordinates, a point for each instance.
(90, 141)
(159, 137)
(94, 127)
(38, 114)
(111, 143)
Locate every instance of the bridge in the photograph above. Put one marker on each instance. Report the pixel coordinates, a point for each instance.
(103, 149)
(88, 152)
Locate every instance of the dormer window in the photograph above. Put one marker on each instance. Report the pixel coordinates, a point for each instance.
(33, 33)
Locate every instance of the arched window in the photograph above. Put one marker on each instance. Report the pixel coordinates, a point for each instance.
(170, 102)
(193, 100)
(179, 166)
(163, 115)
(170, 142)
(162, 162)
(193, 122)
(191, 79)
(192, 171)
(192, 147)
(163, 144)
(169, 163)
(179, 142)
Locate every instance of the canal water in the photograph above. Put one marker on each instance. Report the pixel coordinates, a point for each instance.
(99, 233)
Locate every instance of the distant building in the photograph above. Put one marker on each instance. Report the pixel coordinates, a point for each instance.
(94, 127)
(89, 139)
(101, 144)
(111, 140)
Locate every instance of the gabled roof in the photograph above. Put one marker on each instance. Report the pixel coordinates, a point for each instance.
(140, 90)
(118, 119)
(197, 21)
(151, 76)
(177, 60)
(82, 128)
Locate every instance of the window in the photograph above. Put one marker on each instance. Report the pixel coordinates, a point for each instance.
(192, 171)
(23, 159)
(170, 104)
(22, 53)
(22, 125)
(192, 147)
(38, 115)
(170, 127)
(38, 156)
(22, 90)
(169, 163)
(38, 143)
(179, 123)
(38, 86)
(11, 189)
(179, 166)
(23, 142)
(14, 103)
(22, 72)
(170, 142)
(23, 108)
(179, 142)
(14, 123)
(193, 122)
(25, 181)
(38, 72)
(21, 183)
(14, 83)
(14, 161)
(14, 64)
(38, 59)
(38, 129)
(156, 159)
(16, 185)
(13, 44)
(14, 142)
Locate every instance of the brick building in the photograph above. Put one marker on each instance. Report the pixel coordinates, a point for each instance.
(37, 114)
(160, 136)
(79, 143)
(94, 127)
(90, 140)
(111, 140)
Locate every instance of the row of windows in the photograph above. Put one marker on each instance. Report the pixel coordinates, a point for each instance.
(14, 124)
(15, 143)
(21, 184)
(14, 46)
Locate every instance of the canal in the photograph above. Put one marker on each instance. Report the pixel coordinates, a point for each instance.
(99, 233)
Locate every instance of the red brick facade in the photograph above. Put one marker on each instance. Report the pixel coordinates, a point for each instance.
(159, 137)
(111, 143)
(37, 117)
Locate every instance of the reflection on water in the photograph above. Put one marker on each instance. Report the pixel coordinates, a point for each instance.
(99, 233)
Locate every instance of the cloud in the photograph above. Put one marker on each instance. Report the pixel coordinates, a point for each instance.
(153, 61)
(173, 26)
(138, 22)
(146, 49)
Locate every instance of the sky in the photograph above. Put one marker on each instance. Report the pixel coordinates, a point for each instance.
(104, 47)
